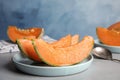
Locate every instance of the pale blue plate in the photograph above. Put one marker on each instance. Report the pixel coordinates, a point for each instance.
(113, 49)
(28, 66)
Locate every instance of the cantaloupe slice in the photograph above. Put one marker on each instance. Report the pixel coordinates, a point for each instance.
(15, 33)
(27, 49)
(115, 26)
(108, 37)
(63, 56)
(75, 39)
(63, 42)
(66, 41)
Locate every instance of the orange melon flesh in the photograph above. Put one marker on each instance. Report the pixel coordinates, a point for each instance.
(63, 56)
(15, 33)
(66, 41)
(115, 26)
(108, 37)
(63, 42)
(27, 49)
(75, 39)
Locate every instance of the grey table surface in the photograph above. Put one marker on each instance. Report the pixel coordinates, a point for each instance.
(99, 70)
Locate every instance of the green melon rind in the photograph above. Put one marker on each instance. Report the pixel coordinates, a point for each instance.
(37, 52)
(23, 53)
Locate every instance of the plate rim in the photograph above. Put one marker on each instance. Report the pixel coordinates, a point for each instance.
(56, 71)
(80, 63)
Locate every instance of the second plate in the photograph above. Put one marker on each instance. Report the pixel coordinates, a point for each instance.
(114, 49)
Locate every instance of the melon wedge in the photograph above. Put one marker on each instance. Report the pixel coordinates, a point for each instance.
(66, 41)
(75, 39)
(15, 33)
(27, 49)
(108, 37)
(63, 56)
(63, 42)
(115, 26)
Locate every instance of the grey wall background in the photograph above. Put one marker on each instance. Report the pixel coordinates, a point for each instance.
(59, 17)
